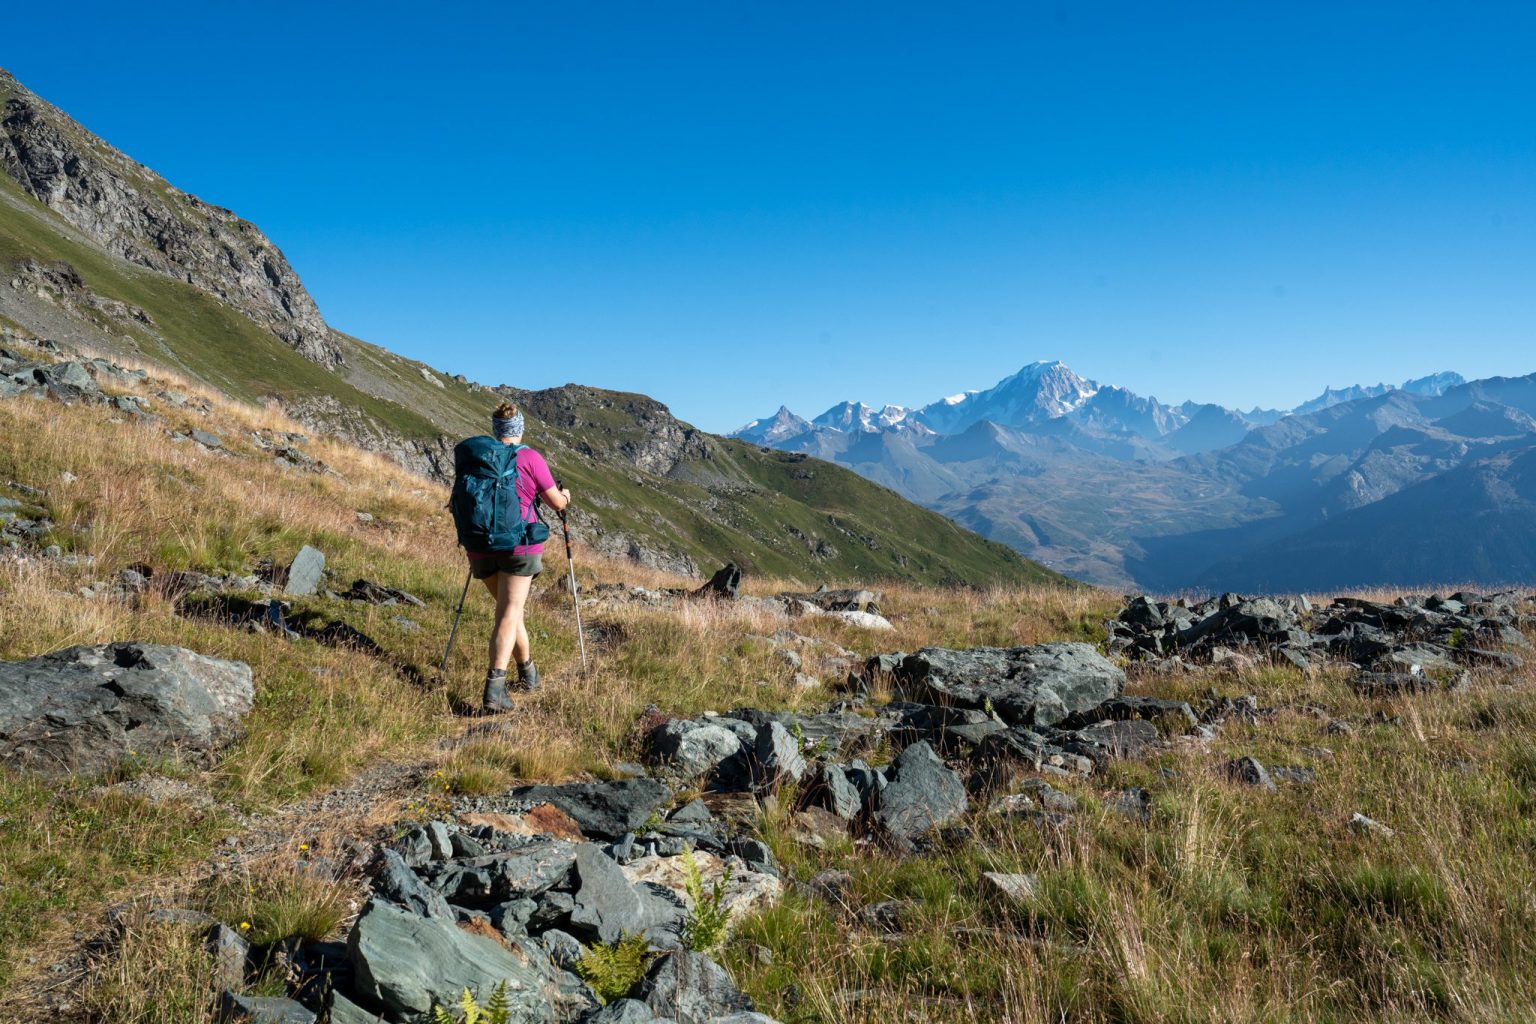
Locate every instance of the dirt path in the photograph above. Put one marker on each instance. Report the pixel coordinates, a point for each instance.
(330, 833)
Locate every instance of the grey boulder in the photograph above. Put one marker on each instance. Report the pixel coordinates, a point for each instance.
(304, 572)
(397, 883)
(406, 964)
(1041, 684)
(776, 757)
(922, 793)
(1250, 772)
(609, 906)
(604, 810)
(693, 748)
(832, 790)
(690, 988)
(85, 709)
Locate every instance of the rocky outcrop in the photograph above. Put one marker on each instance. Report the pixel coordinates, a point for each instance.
(634, 429)
(136, 215)
(1042, 684)
(84, 710)
(61, 284)
(1414, 634)
(405, 964)
(459, 906)
(967, 723)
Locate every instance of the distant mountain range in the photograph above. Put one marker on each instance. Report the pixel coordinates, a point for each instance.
(1429, 481)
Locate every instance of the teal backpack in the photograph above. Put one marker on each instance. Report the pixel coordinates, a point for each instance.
(484, 504)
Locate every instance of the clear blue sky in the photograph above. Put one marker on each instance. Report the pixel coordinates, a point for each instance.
(730, 205)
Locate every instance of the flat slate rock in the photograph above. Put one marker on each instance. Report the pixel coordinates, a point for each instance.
(829, 732)
(603, 810)
(345, 1011)
(531, 869)
(1019, 890)
(1120, 709)
(239, 1009)
(1042, 684)
(921, 793)
(623, 1011)
(406, 964)
(690, 988)
(608, 906)
(1131, 738)
(83, 710)
(304, 572)
(1392, 684)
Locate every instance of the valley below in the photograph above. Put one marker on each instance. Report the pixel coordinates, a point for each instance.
(1380, 486)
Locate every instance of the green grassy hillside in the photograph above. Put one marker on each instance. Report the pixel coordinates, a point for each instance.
(720, 501)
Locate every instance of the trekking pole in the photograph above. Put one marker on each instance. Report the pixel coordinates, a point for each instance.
(570, 564)
(454, 631)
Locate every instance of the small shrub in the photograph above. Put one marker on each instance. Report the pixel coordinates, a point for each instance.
(497, 1011)
(613, 970)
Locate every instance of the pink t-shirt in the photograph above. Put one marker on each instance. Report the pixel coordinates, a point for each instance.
(533, 479)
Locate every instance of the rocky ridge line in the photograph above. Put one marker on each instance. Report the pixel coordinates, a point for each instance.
(139, 217)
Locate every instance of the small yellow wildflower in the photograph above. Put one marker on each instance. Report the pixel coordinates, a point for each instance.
(245, 926)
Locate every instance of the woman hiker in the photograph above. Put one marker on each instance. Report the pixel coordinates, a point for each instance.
(508, 574)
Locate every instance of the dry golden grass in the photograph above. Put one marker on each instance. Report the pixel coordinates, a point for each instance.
(126, 493)
(1231, 904)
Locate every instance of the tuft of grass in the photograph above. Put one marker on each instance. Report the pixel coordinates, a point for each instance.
(154, 974)
(279, 902)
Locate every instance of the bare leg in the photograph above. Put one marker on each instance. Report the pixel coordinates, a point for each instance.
(510, 637)
(492, 584)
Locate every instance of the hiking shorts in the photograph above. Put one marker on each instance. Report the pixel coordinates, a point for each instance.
(507, 562)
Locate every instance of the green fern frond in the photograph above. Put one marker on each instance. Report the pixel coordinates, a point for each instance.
(612, 971)
(706, 926)
(499, 1009)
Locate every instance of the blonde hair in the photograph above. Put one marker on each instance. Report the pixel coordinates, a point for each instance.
(505, 411)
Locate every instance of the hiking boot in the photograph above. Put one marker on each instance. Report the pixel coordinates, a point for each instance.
(527, 677)
(496, 697)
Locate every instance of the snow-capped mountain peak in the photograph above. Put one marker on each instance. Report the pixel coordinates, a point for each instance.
(782, 424)
(1043, 390)
(857, 417)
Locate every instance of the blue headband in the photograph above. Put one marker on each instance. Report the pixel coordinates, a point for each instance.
(507, 428)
